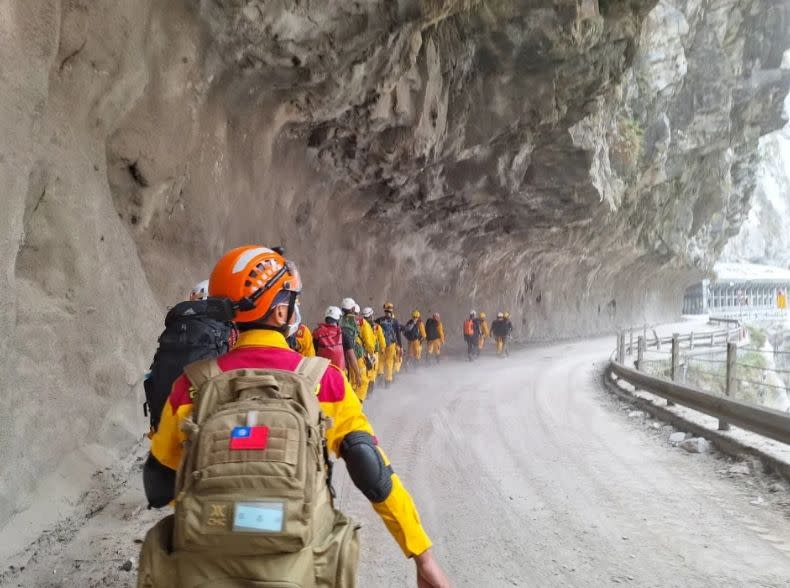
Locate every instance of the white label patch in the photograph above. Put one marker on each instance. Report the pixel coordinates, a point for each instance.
(266, 517)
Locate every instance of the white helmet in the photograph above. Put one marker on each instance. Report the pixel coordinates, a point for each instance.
(333, 312)
(473, 313)
(200, 291)
(356, 309)
(348, 304)
(367, 312)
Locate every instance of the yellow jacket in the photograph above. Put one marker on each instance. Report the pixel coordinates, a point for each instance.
(304, 341)
(380, 339)
(367, 337)
(340, 405)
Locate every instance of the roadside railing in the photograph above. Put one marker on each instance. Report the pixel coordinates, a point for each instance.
(753, 313)
(765, 421)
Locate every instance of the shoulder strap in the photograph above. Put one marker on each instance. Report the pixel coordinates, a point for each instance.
(313, 369)
(202, 371)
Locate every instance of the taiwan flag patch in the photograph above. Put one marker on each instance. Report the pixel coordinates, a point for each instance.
(249, 437)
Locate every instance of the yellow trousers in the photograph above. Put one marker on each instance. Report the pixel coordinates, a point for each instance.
(500, 345)
(362, 390)
(481, 342)
(390, 360)
(415, 350)
(435, 347)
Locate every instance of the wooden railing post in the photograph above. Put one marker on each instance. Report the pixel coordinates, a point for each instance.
(675, 373)
(631, 341)
(691, 340)
(621, 348)
(729, 388)
(640, 353)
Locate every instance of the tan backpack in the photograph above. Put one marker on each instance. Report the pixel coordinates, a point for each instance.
(253, 502)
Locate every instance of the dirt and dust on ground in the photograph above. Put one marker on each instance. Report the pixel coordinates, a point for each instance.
(526, 473)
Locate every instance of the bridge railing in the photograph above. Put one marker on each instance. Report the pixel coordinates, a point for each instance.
(765, 421)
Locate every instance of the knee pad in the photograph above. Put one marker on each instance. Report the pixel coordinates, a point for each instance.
(366, 466)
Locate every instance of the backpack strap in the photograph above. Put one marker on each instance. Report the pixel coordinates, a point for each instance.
(202, 371)
(313, 369)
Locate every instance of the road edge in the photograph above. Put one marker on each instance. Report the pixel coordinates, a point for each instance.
(723, 443)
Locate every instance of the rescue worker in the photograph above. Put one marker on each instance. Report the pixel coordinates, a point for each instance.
(392, 337)
(368, 340)
(484, 331)
(264, 309)
(200, 291)
(434, 334)
(509, 323)
(414, 330)
(381, 344)
(332, 343)
(302, 341)
(349, 324)
(500, 333)
(472, 336)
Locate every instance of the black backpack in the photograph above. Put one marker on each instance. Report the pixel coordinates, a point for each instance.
(388, 325)
(189, 335)
(412, 331)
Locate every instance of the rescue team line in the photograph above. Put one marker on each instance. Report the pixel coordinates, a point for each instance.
(243, 426)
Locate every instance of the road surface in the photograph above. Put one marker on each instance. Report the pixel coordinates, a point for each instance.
(526, 473)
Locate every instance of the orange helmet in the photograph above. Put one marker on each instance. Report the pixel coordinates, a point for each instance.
(252, 276)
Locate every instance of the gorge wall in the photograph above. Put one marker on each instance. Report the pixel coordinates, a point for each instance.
(763, 237)
(577, 162)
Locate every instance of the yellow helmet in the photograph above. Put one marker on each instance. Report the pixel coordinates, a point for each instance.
(507, 315)
(415, 314)
(482, 315)
(389, 306)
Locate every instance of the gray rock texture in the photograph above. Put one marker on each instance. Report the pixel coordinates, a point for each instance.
(763, 237)
(696, 445)
(577, 162)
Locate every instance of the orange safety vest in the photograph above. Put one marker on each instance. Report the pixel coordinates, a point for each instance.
(469, 327)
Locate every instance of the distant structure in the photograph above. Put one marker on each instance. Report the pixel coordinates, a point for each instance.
(740, 290)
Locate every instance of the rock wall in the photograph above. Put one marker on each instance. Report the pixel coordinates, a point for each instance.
(577, 162)
(763, 236)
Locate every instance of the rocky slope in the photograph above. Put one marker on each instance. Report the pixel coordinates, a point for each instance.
(763, 237)
(576, 161)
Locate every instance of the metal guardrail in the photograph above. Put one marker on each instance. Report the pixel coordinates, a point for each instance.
(698, 339)
(763, 421)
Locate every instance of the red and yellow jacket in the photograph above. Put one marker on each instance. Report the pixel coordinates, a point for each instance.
(269, 350)
(304, 341)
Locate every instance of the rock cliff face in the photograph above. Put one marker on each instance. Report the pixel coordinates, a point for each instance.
(763, 237)
(576, 161)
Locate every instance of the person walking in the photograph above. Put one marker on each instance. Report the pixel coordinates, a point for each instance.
(472, 336)
(270, 417)
(415, 334)
(485, 332)
(434, 335)
(500, 333)
(394, 344)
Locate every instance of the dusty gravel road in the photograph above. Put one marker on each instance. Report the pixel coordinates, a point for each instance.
(526, 474)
